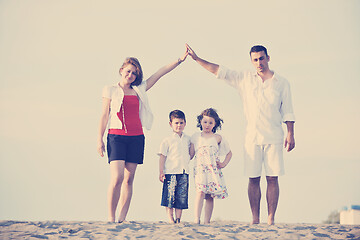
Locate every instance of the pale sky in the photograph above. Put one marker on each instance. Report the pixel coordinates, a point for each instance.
(56, 56)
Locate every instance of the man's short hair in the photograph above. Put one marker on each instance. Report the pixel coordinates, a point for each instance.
(258, 48)
(177, 114)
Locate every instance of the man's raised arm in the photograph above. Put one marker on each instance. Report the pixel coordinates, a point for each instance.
(211, 67)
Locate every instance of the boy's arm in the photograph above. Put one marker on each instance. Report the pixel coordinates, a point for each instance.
(211, 67)
(192, 151)
(161, 167)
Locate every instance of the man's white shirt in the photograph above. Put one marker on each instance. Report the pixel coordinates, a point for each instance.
(266, 104)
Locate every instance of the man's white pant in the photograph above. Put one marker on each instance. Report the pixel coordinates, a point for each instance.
(271, 155)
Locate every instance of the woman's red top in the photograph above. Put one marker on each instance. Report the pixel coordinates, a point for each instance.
(129, 116)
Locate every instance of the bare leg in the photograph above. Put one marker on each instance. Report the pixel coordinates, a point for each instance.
(199, 201)
(254, 194)
(272, 197)
(209, 206)
(178, 213)
(116, 179)
(127, 189)
(170, 213)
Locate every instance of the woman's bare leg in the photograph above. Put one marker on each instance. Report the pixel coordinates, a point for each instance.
(116, 179)
(127, 189)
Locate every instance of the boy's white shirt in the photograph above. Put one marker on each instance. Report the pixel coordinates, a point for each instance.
(176, 151)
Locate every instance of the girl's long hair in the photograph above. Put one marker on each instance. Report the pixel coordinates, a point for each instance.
(210, 112)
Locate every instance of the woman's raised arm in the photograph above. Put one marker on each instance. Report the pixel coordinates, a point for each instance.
(164, 70)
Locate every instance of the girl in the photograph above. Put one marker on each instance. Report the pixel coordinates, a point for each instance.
(126, 110)
(207, 147)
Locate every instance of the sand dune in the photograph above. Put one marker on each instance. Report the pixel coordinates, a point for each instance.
(163, 230)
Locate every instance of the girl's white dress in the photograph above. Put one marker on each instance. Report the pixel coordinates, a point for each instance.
(208, 178)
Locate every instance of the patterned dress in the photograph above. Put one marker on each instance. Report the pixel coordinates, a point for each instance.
(208, 178)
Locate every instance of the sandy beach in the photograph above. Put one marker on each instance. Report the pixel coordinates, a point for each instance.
(163, 230)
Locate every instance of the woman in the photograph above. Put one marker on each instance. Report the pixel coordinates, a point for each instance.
(126, 110)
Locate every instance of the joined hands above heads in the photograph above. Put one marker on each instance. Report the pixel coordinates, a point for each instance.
(181, 59)
(191, 52)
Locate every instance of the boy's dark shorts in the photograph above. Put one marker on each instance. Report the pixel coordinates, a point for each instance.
(175, 191)
(127, 148)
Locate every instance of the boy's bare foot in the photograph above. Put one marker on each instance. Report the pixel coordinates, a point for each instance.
(120, 220)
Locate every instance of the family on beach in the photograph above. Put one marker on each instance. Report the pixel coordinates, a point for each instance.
(267, 104)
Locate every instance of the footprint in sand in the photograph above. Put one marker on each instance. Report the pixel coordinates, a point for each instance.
(321, 235)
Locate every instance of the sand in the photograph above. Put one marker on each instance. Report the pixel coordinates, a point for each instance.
(163, 230)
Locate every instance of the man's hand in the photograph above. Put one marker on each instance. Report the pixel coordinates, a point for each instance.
(191, 52)
(290, 142)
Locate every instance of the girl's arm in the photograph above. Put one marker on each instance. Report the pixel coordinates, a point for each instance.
(226, 160)
(161, 167)
(103, 123)
(164, 70)
(227, 157)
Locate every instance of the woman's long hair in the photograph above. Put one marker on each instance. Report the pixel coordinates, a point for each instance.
(139, 73)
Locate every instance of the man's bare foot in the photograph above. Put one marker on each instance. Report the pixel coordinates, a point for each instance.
(271, 220)
(255, 221)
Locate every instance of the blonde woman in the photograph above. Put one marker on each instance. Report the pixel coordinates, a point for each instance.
(126, 111)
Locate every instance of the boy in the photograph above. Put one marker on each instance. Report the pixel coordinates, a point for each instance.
(174, 167)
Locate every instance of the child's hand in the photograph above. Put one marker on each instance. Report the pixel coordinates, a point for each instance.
(221, 164)
(161, 177)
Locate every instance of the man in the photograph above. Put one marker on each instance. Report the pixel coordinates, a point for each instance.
(267, 103)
